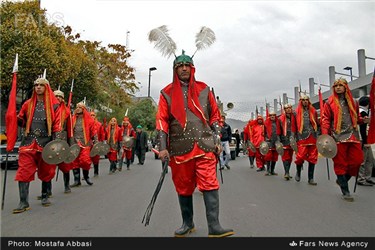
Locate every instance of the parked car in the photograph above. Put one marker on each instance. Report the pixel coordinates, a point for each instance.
(12, 156)
(3, 137)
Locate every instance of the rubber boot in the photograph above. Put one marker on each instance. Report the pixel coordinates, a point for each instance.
(251, 159)
(86, 177)
(77, 176)
(96, 170)
(66, 183)
(286, 165)
(298, 174)
(343, 182)
(273, 164)
(120, 162)
(23, 206)
(211, 201)
(46, 186)
(49, 191)
(268, 171)
(186, 205)
(311, 174)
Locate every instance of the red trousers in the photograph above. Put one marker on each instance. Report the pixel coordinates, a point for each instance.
(348, 159)
(198, 172)
(30, 161)
(83, 160)
(288, 154)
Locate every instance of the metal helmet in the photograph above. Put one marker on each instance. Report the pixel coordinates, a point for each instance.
(326, 146)
(41, 81)
(58, 93)
(182, 59)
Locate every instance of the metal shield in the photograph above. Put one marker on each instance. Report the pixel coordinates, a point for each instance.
(95, 150)
(264, 148)
(104, 148)
(293, 143)
(73, 153)
(326, 146)
(251, 146)
(55, 151)
(279, 148)
(128, 141)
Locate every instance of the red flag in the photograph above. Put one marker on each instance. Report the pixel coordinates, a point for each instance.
(371, 131)
(321, 103)
(11, 114)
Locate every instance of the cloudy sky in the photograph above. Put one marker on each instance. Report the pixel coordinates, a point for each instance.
(262, 50)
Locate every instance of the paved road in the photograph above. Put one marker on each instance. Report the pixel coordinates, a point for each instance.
(252, 204)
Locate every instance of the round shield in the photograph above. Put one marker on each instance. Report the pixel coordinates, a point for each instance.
(293, 143)
(73, 153)
(264, 148)
(326, 146)
(55, 151)
(279, 148)
(251, 146)
(128, 142)
(104, 148)
(95, 150)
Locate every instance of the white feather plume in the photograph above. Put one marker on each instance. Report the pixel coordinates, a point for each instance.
(163, 42)
(204, 38)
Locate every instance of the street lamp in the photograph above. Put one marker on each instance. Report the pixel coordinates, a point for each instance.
(149, 79)
(350, 69)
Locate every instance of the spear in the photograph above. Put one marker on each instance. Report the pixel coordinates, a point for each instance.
(70, 94)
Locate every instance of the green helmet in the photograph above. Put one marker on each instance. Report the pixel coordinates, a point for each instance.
(181, 59)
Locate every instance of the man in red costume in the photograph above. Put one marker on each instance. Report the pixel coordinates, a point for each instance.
(341, 120)
(307, 127)
(289, 128)
(65, 118)
(247, 135)
(189, 135)
(101, 135)
(113, 137)
(40, 118)
(272, 135)
(257, 138)
(127, 139)
(84, 134)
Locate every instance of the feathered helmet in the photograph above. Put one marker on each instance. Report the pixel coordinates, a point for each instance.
(164, 43)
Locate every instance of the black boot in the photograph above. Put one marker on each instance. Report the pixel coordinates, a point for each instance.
(298, 174)
(311, 174)
(186, 205)
(268, 172)
(49, 191)
(251, 159)
(273, 164)
(127, 164)
(24, 198)
(286, 165)
(86, 177)
(120, 164)
(46, 186)
(211, 201)
(96, 170)
(77, 176)
(66, 183)
(343, 182)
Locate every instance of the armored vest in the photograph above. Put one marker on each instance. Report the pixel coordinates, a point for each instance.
(347, 129)
(181, 141)
(78, 131)
(307, 127)
(38, 128)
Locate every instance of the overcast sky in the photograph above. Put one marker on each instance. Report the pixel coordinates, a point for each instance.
(262, 50)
